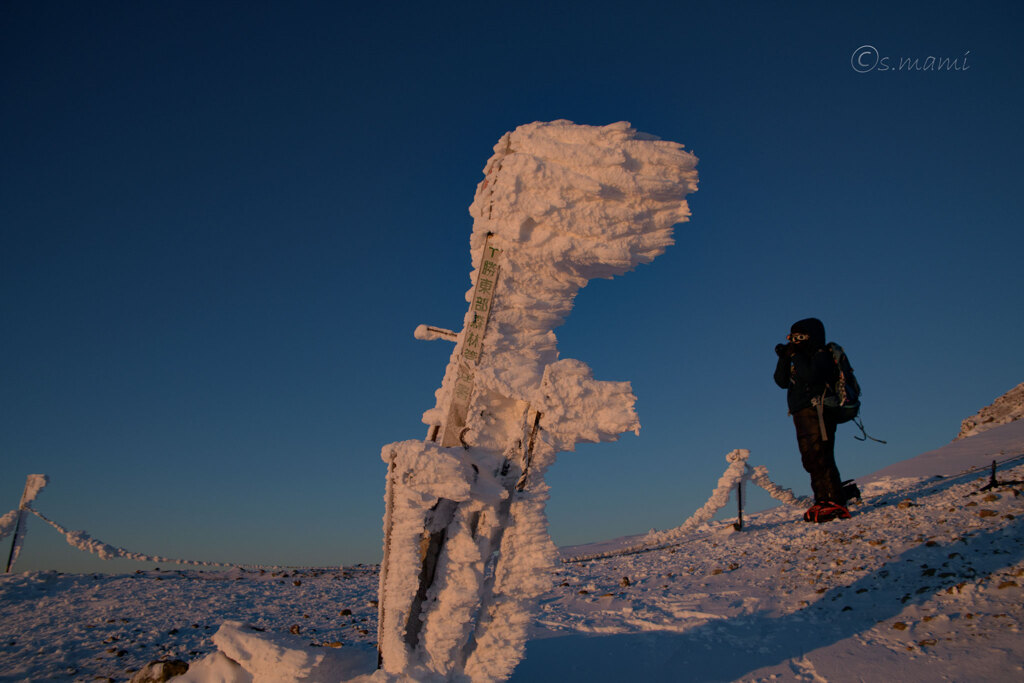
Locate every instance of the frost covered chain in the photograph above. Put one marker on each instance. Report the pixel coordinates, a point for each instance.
(467, 552)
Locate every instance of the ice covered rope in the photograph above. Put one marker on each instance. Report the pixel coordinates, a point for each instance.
(7, 523)
(105, 551)
(733, 475)
(33, 486)
(15, 520)
(759, 476)
(559, 205)
(736, 474)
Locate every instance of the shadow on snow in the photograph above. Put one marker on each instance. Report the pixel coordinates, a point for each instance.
(728, 650)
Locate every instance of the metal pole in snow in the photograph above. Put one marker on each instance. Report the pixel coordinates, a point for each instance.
(738, 526)
(14, 542)
(19, 534)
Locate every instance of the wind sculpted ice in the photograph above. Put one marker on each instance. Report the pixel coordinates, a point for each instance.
(467, 550)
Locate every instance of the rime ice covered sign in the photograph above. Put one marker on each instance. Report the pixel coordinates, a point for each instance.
(467, 551)
(472, 345)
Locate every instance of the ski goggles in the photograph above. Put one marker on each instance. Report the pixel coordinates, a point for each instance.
(798, 337)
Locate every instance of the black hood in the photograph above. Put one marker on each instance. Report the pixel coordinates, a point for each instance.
(813, 328)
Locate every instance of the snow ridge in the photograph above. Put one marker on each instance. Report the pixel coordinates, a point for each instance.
(1007, 408)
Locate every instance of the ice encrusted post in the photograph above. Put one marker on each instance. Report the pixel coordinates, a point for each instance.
(34, 483)
(466, 550)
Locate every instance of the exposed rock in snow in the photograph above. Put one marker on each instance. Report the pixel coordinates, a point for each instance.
(215, 667)
(1006, 408)
(160, 672)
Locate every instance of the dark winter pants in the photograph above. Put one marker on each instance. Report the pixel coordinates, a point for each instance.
(818, 456)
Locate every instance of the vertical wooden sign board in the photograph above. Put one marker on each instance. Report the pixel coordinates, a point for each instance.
(451, 433)
(472, 346)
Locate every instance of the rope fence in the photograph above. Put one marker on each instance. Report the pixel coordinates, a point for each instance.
(736, 476)
(14, 521)
(105, 551)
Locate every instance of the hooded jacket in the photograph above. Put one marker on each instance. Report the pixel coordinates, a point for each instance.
(805, 368)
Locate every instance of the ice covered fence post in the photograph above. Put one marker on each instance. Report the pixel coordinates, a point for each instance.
(466, 549)
(34, 483)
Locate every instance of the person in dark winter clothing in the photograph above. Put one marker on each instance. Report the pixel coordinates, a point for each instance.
(805, 369)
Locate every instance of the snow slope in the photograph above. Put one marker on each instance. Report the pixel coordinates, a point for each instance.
(923, 583)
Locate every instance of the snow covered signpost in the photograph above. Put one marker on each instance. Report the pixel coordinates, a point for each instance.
(466, 550)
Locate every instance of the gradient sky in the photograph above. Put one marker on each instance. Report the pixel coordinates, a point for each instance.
(221, 223)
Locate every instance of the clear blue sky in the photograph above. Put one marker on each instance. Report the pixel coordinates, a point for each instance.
(222, 222)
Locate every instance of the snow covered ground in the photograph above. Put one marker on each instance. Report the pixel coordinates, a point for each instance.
(923, 583)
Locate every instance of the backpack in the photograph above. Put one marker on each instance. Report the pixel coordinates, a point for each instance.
(842, 399)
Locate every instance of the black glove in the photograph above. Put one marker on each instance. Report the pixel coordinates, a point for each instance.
(781, 350)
